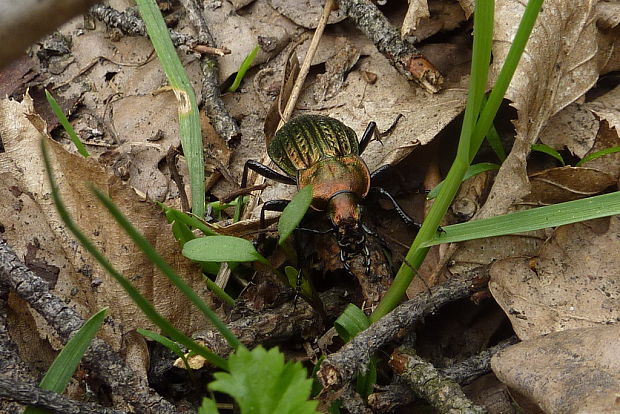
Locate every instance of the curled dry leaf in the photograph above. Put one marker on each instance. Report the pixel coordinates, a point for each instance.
(306, 13)
(30, 219)
(558, 66)
(418, 10)
(574, 371)
(572, 283)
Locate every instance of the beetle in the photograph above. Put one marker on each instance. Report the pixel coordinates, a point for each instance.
(323, 152)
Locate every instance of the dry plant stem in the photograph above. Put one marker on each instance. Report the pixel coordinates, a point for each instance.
(223, 123)
(171, 160)
(341, 367)
(132, 25)
(443, 393)
(24, 22)
(403, 56)
(100, 358)
(305, 66)
(353, 402)
(388, 398)
(28, 394)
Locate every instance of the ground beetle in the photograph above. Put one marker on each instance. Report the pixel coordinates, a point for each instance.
(323, 152)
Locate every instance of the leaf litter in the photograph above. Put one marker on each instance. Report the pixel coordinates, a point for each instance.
(545, 282)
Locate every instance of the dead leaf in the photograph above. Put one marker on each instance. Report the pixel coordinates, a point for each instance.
(573, 283)
(307, 13)
(574, 371)
(467, 6)
(574, 128)
(551, 75)
(28, 215)
(445, 16)
(331, 81)
(418, 10)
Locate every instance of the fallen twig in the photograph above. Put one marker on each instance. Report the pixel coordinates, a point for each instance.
(443, 393)
(222, 121)
(100, 358)
(341, 367)
(402, 55)
(27, 394)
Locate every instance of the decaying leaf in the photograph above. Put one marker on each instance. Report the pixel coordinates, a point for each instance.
(554, 71)
(572, 283)
(307, 13)
(418, 10)
(574, 371)
(30, 219)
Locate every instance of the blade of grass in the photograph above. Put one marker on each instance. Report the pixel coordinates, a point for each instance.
(596, 155)
(66, 124)
(528, 220)
(189, 123)
(473, 170)
(165, 268)
(171, 345)
(139, 300)
(245, 65)
(60, 372)
(546, 149)
(483, 29)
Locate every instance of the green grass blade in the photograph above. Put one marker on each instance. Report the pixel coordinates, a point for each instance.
(293, 213)
(245, 65)
(473, 170)
(546, 149)
(165, 268)
(66, 124)
(529, 220)
(597, 154)
(171, 345)
(138, 299)
(189, 123)
(60, 372)
(219, 292)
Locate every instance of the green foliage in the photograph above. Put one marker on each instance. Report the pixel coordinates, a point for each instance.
(222, 249)
(66, 124)
(171, 345)
(294, 213)
(597, 154)
(208, 407)
(60, 372)
(189, 122)
(534, 219)
(245, 65)
(263, 383)
(546, 149)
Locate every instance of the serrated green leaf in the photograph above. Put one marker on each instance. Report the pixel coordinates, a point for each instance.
(351, 322)
(60, 372)
(222, 249)
(546, 149)
(294, 213)
(262, 383)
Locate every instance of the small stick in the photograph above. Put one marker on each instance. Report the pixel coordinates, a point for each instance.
(171, 160)
(217, 51)
(443, 393)
(403, 56)
(242, 191)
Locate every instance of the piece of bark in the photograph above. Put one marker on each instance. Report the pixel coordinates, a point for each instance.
(403, 56)
(106, 364)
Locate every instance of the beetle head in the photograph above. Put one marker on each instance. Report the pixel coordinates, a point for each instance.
(345, 213)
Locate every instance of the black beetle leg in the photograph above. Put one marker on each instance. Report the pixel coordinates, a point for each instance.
(379, 173)
(370, 132)
(265, 171)
(404, 216)
(271, 205)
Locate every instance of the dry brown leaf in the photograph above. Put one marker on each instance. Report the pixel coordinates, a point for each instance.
(557, 185)
(418, 10)
(306, 13)
(467, 6)
(558, 66)
(574, 128)
(607, 107)
(573, 283)
(574, 371)
(445, 16)
(30, 219)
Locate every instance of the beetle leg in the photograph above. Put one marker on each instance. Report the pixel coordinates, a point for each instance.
(404, 216)
(265, 171)
(379, 172)
(271, 205)
(370, 132)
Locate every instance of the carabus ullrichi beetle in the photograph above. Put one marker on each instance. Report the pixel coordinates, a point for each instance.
(325, 153)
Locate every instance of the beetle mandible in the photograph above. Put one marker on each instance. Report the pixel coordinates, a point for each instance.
(325, 153)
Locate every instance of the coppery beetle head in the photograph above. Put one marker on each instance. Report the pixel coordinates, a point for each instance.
(345, 214)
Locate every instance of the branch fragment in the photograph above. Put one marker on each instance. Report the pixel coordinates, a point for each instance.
(443, 393)
(403, 56)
